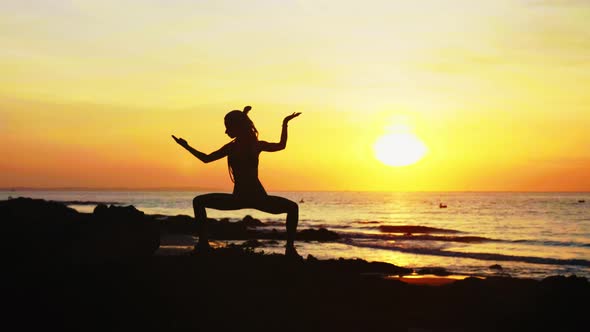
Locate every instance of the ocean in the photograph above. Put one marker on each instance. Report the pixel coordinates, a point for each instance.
(525, 235)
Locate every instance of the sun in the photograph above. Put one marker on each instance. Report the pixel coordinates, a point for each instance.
(399, 149)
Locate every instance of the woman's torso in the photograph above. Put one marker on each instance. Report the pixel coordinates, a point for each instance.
(243, 158)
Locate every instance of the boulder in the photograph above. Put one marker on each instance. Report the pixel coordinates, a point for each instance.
(251, 222)
(320, 234)
(122, 232)
(36, 228)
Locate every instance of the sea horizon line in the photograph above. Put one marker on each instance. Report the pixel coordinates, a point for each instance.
(206, 189)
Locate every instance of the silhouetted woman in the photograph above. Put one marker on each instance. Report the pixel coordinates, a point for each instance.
(242, 159)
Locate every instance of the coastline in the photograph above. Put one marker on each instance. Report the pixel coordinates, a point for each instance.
(478, 263)
(73, 270)
(233, 289)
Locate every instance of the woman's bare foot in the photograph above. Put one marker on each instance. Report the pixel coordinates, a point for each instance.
(202, 247)
(291, 252)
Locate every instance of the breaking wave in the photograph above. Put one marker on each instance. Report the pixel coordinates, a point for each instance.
(477, 255)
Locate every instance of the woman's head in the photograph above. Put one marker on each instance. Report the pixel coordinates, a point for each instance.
(239, 125)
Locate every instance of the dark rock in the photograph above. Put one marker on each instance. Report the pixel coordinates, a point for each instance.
(46, 229)
(37, 228)
(253, 243)
(358, 266)
(224, 229)
(100, 209)
(179, 224)
(557, 282)
(496, 267)
(235, 289)
(321, 235)
(437, 271)
(36, 210)
(250, 222)
(122, 232)
(114, 213)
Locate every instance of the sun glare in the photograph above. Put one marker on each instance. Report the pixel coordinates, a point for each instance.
(399, 149)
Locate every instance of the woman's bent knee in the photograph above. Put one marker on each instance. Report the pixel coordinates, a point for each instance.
(292, 207)
(198, 201)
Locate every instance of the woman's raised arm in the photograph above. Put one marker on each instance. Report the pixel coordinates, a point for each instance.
(206, 158)
(271, 147)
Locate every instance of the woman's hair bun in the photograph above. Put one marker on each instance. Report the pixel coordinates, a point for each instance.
(247, 109)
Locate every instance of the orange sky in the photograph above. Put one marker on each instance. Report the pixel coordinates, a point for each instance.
(90, 92)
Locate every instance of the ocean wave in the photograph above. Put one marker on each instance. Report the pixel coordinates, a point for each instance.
(420, 237)
(476, 255)
(408, 229)
(464, 239)
(552, 243)
(281, 223)
(87, 202)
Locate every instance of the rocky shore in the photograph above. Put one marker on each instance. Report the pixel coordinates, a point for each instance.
(64, 269)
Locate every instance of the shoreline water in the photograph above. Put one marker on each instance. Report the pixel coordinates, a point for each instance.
(519, 247)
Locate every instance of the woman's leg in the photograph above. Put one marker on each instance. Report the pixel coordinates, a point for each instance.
(276, 205)
(216, 201)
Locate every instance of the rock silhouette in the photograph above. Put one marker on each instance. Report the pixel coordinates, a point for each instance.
(67, 269)
(39, 228)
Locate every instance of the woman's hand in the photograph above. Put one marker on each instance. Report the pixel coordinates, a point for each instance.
(290, 117)
(180, 141)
